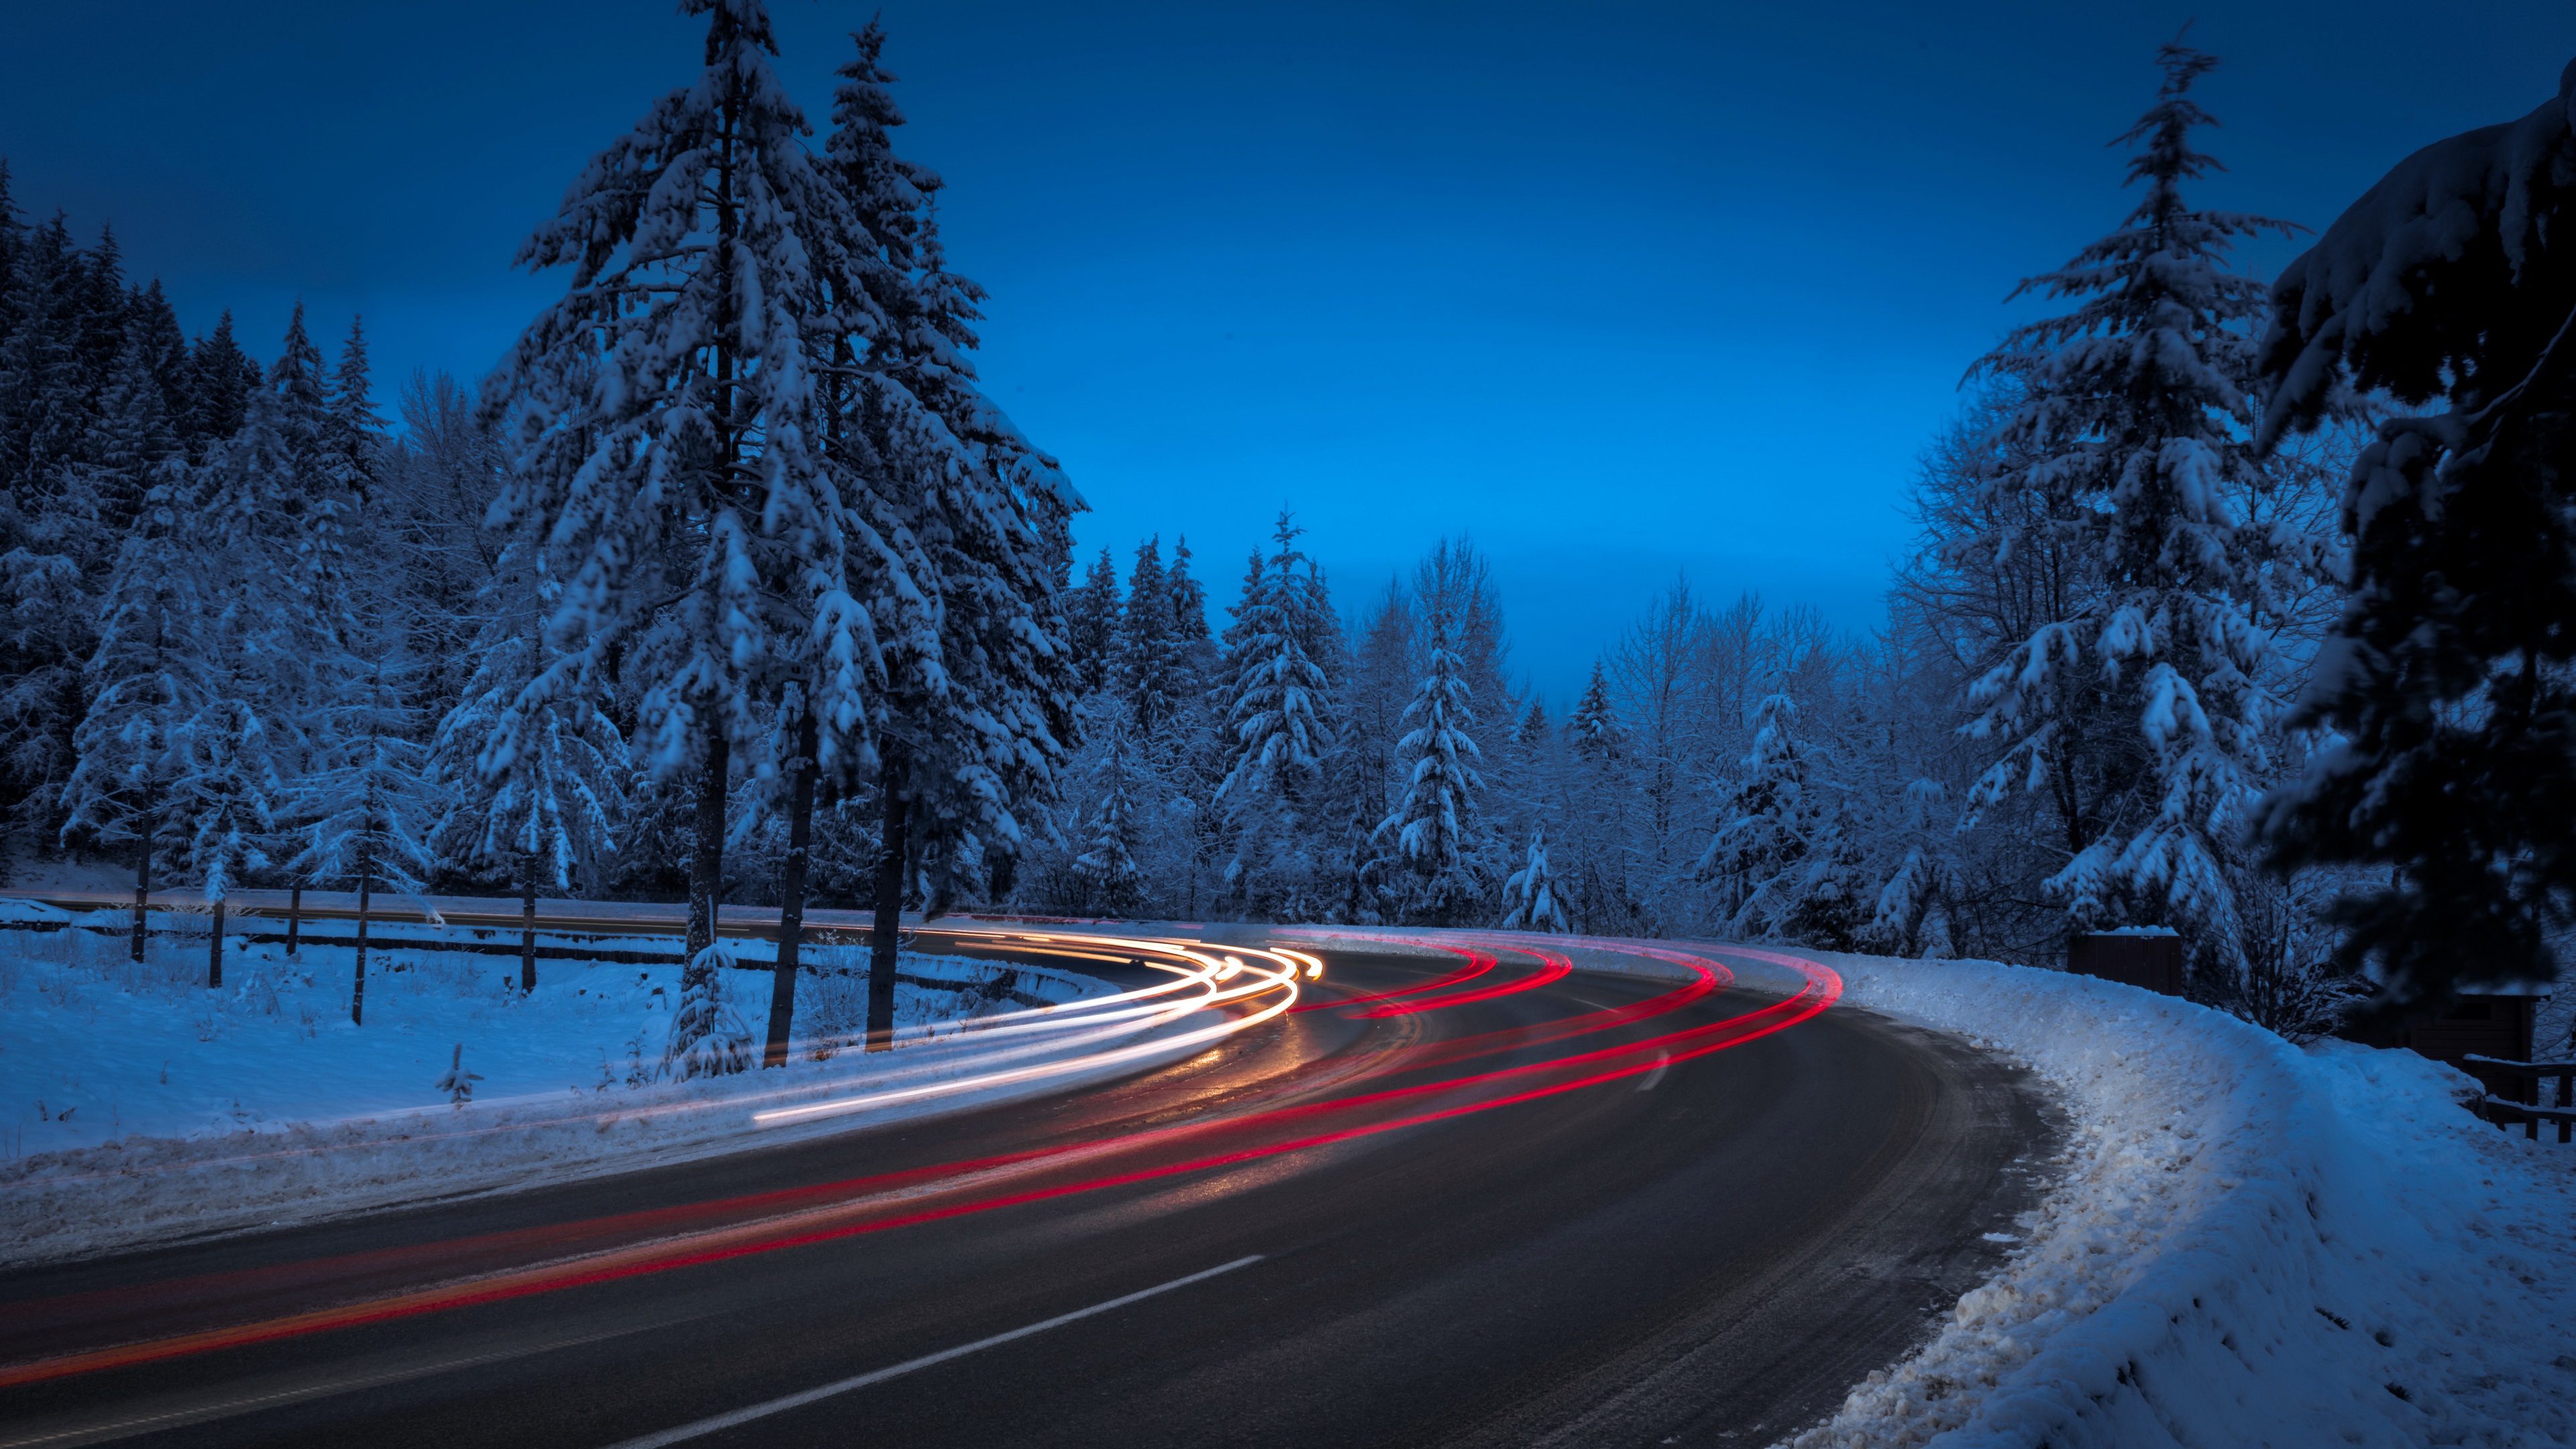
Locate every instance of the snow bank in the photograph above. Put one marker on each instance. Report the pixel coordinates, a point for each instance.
(137, 1106)
(2252, 1244)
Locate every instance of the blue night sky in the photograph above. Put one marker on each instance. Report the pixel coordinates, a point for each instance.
(1623, 291)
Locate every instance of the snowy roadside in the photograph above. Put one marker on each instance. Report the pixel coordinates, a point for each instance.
(2250, 1244)
(138, 1107)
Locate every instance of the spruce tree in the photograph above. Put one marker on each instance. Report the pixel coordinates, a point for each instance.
(1189, 597)
(1435, 823)
(1093, 621)
(670, 442)
(2144, 717)
(1275, 719)
(368, 805)
(221, 379)
(1110, 862)
(1593, 728)
(1152, 675)
(968, 524)
(2445, 687)
(353, 436)
(1532, 890)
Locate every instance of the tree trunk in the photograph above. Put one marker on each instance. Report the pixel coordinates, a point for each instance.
(294, 917)
(528, 930)
(215, 956)
(143, 868)
(706, 866)
(791, 893)
(887, 920)
(358, 986)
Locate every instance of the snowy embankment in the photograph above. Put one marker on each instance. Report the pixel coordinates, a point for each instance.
(2250, 1243)
(136, 1105)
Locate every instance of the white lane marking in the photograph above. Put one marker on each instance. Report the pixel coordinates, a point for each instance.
(861, 1381)
(1663, 1063)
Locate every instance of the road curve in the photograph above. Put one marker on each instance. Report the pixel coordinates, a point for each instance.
(1473, 1198)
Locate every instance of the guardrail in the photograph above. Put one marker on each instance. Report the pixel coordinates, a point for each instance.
(2504, 1112)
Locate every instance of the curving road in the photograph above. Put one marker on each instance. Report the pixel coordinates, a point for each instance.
(1476, 1198)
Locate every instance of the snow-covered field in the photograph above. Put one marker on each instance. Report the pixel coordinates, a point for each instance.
(136, 1106)
(2251, 1244)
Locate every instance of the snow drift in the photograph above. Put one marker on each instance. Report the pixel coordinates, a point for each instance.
(2251, 1244)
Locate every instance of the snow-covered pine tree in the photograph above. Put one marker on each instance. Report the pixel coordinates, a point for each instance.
(670, 443)
(2446, 687)
(1092, 617)
(1109, 865)
(1151, 673)
(149, 675)
(1275, 718)
(353, 436)
(1535, 727)
(68, 549)
(221, 379)
(1593, 728)
(533, 781)
(966, 531)
(1434, 823)
(1531, 892)
(1189, 597)
(2144, 717)
(1756, 856)
(367, 801)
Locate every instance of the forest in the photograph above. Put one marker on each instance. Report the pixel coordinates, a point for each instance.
(730, 582)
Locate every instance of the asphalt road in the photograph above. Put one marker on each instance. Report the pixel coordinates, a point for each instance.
(1337, 1228)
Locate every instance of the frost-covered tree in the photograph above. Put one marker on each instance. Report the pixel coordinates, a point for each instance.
(965, 530)
(149, 676)
(2447, 685)
(1276, 713)
(1153, 672)
(353, 436)
(1110, 862)
(1756, 856)
(1091, 621)
(1188, 595)
(533, 781)
(2143, 715)
(1594, 726)
(1531, 892)
(669, 442)
(368, 807)
(1434, 825)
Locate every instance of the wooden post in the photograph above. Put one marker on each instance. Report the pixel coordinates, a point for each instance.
(294, 916)
(528, 929)
(358, 990)
(215, 955)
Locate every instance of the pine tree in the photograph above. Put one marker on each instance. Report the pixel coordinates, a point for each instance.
(1110, 863)
(1535, 727)
(353, 437)
(968, 525)
(367, 802)
(221, 379)
(534, 780)
(1189, 597)
(1093, 620)
(1531, 891)
(2144, 717)
(2445, 686)
(1435, 822)
(1276, 715)
(148, 677)
(1593, 728)
(670, 440)
(1756, 856)
(1151, 672)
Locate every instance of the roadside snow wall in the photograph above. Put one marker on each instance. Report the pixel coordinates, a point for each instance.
(2252, 1244)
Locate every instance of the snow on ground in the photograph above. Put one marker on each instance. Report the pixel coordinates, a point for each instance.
(2251, 1243)
(136, 1105)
